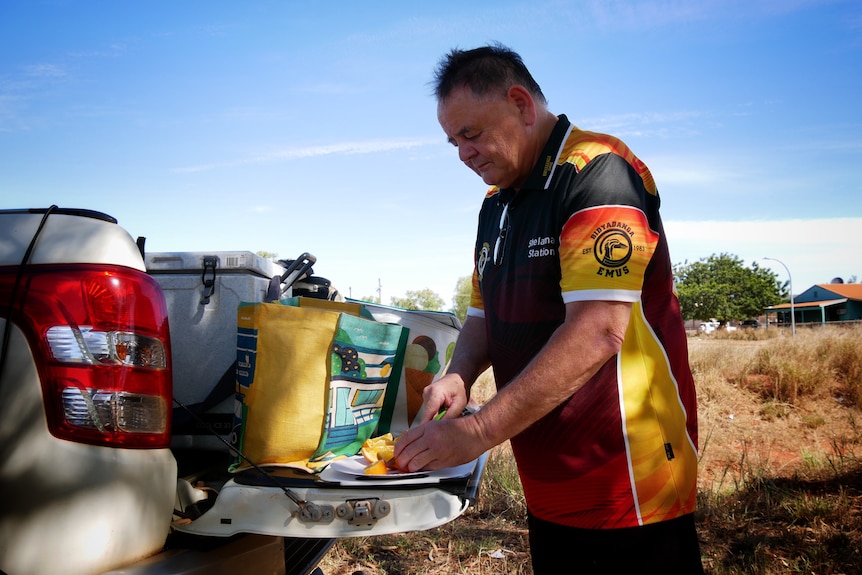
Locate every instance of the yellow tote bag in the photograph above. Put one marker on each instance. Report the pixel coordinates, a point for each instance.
(312, 378)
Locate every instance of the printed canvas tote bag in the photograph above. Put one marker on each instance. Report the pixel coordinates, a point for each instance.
(312, 379)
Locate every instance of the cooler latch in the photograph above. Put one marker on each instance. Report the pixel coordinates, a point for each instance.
(208, 277)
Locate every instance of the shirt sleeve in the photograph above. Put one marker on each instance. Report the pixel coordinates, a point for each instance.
(476, 307)
(607, 243)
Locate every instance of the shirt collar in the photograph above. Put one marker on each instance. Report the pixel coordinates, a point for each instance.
(543, 171)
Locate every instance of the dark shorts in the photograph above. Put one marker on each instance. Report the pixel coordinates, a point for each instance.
(666, 548)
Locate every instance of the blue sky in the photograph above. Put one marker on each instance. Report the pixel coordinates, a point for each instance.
(310, 126)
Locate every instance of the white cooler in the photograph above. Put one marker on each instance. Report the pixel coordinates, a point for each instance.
(203, 291)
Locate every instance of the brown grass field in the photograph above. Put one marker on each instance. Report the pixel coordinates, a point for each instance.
(780, 476)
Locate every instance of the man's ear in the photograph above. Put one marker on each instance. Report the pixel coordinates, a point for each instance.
(523, 99)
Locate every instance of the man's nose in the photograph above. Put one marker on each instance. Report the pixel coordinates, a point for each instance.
(466, 152)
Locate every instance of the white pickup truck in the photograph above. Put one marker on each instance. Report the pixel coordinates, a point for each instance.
(101, 471)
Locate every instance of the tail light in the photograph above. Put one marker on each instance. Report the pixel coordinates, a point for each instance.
(99, 335)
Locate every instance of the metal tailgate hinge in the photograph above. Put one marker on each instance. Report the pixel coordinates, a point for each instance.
(310, 512)
(363, 512)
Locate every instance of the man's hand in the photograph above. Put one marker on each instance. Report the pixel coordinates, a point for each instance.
(448, 442)
(447, 393)
(430, 444)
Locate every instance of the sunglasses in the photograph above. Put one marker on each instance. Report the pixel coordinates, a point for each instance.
(500, 244)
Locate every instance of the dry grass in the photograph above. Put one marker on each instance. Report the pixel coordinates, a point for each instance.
(780, 486)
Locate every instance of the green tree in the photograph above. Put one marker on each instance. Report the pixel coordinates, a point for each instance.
(422, 299)
(721, 287)
(461, 299)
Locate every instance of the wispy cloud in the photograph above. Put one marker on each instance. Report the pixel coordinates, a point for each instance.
(297, 153)
(17, 90)
(814, 250)
(648, 14)
(110, 50)
(653, 124)
(44, 71)
(819, 232)
(643, 14)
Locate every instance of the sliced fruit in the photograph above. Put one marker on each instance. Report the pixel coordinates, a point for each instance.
(376, 468)
(380, 448)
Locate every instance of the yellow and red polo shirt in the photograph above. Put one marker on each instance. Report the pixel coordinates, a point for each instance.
(622, 451)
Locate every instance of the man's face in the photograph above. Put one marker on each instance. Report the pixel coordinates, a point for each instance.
(491, 136)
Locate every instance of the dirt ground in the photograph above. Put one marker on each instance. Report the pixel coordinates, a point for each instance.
(740, 432)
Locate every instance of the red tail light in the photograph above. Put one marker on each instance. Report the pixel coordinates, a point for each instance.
(99, 335)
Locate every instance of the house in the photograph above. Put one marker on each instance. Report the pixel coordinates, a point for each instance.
(821, 303)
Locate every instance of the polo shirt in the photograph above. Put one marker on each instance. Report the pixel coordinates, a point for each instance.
(622, 450)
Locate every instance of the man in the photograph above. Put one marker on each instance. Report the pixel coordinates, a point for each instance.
(573, 307)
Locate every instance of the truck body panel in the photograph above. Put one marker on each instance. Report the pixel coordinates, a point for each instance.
(68, 507)
(67, 239)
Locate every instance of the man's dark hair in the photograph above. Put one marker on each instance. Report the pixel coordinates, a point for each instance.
(486, 70)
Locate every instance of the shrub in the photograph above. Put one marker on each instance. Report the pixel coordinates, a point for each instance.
(815, 360)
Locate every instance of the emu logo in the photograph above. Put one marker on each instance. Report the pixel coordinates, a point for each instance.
(613, 248)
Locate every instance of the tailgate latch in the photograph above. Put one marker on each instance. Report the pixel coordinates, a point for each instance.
(363, 512)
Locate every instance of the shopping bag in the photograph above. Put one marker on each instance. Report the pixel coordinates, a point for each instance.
(312, 378)
(431, 338)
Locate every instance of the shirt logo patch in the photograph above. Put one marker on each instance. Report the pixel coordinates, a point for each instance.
(613, 248)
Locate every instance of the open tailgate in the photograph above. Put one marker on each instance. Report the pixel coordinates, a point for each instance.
(337, 504)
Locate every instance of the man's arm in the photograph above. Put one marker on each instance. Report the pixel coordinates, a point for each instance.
(591, 334)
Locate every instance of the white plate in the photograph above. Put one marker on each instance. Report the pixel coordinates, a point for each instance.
(349, 472)
(356, 466)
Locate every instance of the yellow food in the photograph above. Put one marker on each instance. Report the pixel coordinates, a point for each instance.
(377, 468)
(380, 448)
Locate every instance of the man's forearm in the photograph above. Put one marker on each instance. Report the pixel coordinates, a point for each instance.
(592, 333)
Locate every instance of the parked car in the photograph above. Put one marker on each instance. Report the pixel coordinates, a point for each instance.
(94, 477)
(708, 327)
(750, 324)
